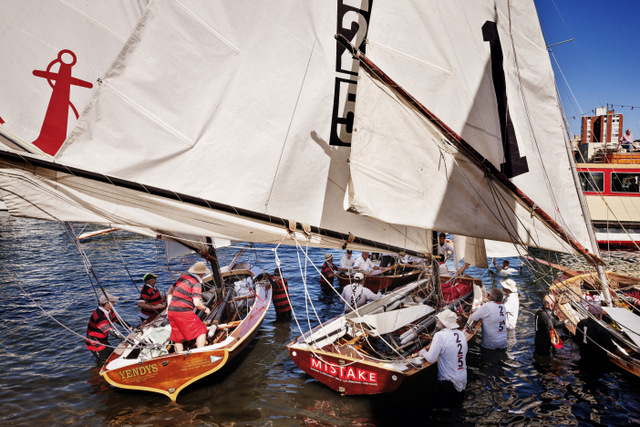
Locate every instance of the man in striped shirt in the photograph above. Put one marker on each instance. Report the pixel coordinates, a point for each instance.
(101, 325)
(184, 297)
(150, 302)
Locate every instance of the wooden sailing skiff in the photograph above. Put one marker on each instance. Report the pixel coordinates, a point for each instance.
(574, 293)
(372, 350)
(146, 361)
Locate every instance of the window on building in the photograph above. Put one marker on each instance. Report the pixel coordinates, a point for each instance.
(625, 182)
(592, 181)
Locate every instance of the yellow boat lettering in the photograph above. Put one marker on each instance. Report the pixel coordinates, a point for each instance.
(135, 372)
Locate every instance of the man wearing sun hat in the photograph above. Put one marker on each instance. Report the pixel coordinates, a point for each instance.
(100, 325)
(512, 306)
(449, 348)
(150, 302)
(184, 296)
(595, 340)
(328, 271)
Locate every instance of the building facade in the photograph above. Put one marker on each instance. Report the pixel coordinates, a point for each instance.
(605, 127)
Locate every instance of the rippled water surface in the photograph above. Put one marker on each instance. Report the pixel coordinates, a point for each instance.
(48, 377)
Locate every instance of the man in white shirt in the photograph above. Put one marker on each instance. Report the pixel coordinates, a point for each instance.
(445, 250)
(493, 316)
(356, 295)
(347, 260)
(512, 306)
(449, 348)
(505, 270)
(364, 264)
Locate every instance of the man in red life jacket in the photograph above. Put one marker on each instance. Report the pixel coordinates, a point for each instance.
(183, 297)
(281, 296)
(328, 271)
(100, 325)
(151, 302)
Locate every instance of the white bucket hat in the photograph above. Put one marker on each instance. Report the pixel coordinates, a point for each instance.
(109, 298)
(199, 268)
(448, 319)
(509, 285)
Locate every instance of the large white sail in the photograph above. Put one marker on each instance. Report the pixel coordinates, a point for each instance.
(463, 61)
(231, 102)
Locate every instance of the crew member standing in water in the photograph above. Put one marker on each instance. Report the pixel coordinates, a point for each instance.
(449, 349)
(328, 271)
(281, 301)
(101, 325)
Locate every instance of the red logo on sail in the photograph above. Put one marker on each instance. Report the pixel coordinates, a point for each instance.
(54, 127)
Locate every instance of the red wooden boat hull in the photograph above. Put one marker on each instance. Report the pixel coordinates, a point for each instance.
(381, 282)
(346, 375)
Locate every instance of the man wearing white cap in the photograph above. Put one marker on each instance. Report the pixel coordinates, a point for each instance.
(100, 325)
(449, 348)
(493, 316)
(356, 295)
(184, 296)
(512, 305)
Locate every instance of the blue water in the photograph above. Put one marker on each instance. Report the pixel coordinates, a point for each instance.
(48, 377)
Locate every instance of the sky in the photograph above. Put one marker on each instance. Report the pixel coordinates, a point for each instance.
(602, 64)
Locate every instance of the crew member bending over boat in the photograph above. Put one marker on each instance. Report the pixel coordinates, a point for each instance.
(151, 301)
(493, 316)
(184, 296)
(595, 340)
(356, 295)
(449, 349)
(281, 296)
(364, 264)
(101, 325)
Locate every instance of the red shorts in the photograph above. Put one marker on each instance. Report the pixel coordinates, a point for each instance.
(185, 325)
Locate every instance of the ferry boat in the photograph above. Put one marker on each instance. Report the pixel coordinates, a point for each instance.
(610, 183)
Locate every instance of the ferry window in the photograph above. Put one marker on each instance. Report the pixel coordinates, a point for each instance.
(592, 181)
(625, 182)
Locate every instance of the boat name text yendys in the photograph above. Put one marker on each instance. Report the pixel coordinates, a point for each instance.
(134, 372)
(346, 373)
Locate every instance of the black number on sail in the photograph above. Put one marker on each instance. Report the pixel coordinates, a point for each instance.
(353, 23)
(513, 165)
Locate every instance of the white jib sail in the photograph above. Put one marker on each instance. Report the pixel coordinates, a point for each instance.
(403, 171)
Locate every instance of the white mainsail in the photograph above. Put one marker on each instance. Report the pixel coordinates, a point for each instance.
(446, 64)
(230, 102)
